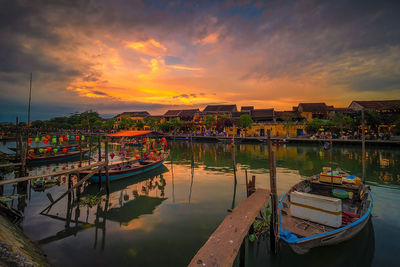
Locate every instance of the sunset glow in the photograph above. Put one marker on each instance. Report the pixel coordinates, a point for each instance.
(114, 57)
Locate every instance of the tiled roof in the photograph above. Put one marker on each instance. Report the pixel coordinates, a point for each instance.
(172, 113)
(189, 112)
(220, 108)
(237, 114)
(246, 108)
(380, 104)
(263, 113)
(312, 107)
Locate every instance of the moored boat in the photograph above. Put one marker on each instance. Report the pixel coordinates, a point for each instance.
(323, 210)
(52, 157)
(123, 169)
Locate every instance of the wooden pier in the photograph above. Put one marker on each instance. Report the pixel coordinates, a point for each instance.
(224, 244)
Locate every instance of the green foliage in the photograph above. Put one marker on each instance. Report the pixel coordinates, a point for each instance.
(342, 121)
(245, 121)
(314, 125)
(209, 121)
(139, 124)
(151, 122)
(126, 123)
(261, 225)
(176, 124)
(108, 124)
(166, 126)
(223, 122)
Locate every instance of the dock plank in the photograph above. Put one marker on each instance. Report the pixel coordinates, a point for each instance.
(223, 245)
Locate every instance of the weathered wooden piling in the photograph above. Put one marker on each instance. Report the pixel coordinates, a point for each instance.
(274, 235)
(99, 173)
(106, 168)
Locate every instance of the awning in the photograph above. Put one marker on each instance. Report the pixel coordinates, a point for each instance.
(128, 133)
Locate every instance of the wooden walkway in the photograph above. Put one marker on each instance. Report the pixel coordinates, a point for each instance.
(223, 245)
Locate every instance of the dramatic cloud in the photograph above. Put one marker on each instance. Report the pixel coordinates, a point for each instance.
(113, 56)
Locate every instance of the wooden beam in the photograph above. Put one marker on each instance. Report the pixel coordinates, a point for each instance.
(9, 165)
(58, 173)
(72, 188)
(223, 245)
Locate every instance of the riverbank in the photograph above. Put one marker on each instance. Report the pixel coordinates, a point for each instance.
(262, 139)
(16, 249)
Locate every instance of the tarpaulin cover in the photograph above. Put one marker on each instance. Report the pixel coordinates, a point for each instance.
(128, 133)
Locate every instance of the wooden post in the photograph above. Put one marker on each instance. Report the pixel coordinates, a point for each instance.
(16, 139)
(99, 174)
(274, 235)
(247, 183)
(90, 148)
(106, 168)
(363, 144)
(80, 152)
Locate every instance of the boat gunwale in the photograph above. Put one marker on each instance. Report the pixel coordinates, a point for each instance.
(308, 238)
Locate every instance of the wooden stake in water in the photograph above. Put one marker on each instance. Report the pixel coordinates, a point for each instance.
(363, 143)
(106, 168)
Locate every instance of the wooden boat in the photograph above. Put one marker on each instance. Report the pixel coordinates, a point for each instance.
(123, 169)
(304, 216)
(59, 156)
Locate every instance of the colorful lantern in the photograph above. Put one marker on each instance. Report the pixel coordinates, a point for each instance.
(48, 148)
(77, 138)
(48, 137)
(67, 146)
(83, 138)
(54, 140)
(55, 136)
(65, 138)
(42, 138)
(37, 139)
(151, 154)
(55, 150)
(40, 150)
(73, 148)
(112, 155)
(162, 151)
(144, 150)
(58, 147)
(145, 154)
(144, 140)
(31, 151)
(137, 156)
(60, 139)
(72, 137)
(64, 150)
(29, 140)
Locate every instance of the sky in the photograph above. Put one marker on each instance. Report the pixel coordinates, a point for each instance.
(116, 56)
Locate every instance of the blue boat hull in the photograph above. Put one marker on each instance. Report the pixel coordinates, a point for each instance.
(95, 178)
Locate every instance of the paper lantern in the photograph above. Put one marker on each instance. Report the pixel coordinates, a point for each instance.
(55, 150)
(77, 138)
(112, 155)
(72, 137)
(48, 148)
(46, 141)
(54, 140)
(145, 154)
(73, 148)
(55, 136)
(60, 139)
(58, 147)
(42, 138)
(121, 152)
(65, 138)
(37, 139)
(66, 145)
(48, 137)
(151, 154)
(144, 150)
(29, 140)
(31, 151)
(40, 150)
(64, 150)
(162, 151)
(79, 147)
(144, 140)
(137, 156)
(83, 138)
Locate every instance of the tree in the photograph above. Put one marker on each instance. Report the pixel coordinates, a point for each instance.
(209, 121)
(245, 121)
(341, 121)
(126, 123)
(288, 119)
(314, 125)
(223, 122)
(176, 124)
(108, 124)
(166, 126)
(139, 124)
(97, 124)
(151, 122)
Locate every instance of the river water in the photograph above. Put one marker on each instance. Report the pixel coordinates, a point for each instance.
(163, 218)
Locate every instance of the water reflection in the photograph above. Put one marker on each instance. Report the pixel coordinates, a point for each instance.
(129, 199)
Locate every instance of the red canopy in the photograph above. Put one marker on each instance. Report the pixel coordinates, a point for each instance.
(128, 133)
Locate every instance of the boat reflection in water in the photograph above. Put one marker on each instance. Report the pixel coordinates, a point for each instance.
(129, 199)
